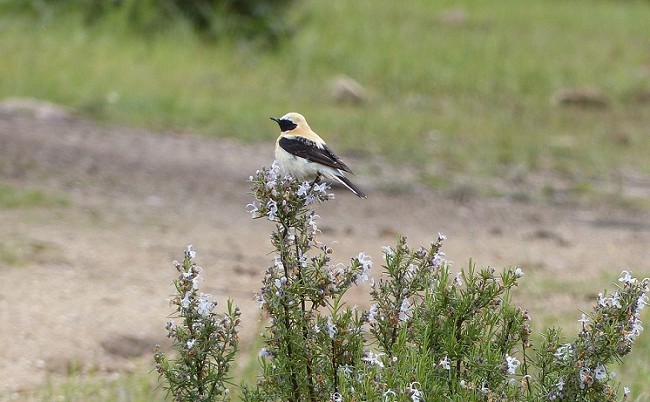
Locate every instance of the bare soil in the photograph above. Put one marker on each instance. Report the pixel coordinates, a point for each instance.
(87, 282)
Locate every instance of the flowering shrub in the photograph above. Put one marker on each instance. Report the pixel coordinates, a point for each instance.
(427, 335)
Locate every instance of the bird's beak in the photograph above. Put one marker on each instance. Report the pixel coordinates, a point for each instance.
(275, 120)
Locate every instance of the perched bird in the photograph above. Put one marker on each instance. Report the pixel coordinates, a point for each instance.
(303, 155)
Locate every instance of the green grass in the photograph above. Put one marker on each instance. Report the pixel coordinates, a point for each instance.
(471, 98)
(13, 197)
(120, 387)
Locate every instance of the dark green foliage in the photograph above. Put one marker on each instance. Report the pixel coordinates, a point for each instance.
(212, 19)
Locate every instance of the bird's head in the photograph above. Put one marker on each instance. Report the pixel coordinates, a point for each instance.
(291, 121)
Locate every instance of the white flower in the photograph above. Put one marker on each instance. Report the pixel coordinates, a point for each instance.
(626, 392)
(366, 264)
(564, 352)
(273, 209)
(416, 393)
(627, 278)
(190, 252)
(560, 384)
(519, 272)
(444, 363)
(277, 261)
(584, 375)
(405, 311)
(642, 301)
(410, 272)
(312, 222)
(336, 397)
(304, 188)
(372, 313)
(190, 343)
(600, 373)
(373, 359)
(185, 301)
(279, 282)
(441, 237)
(484, 388)
(321, 188)
(274, 172)
(389, 395)
(346, 369)
(252, 208)
(388, 252)
(205, 305)
(331, 328)
(583, 319)
(513, 363)
(616, 300)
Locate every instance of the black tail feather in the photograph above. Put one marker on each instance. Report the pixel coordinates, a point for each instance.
(347, 183)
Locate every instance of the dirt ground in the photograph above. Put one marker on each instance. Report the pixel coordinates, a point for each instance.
(89, 280)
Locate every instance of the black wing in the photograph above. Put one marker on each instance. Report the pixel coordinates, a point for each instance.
(308, 149)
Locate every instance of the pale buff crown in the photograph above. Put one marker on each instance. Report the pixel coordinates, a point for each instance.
(303, 128)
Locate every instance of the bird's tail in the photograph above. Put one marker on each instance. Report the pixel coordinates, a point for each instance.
(347, 183)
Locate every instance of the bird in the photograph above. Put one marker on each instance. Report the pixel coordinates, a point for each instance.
(303, 154)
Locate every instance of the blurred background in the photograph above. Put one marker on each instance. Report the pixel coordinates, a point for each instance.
(128, 129)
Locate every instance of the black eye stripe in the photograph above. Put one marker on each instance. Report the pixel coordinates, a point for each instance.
(286, 125)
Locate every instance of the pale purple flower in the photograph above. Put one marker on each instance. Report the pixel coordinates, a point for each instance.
(405, 310)
(458, 280)
(441, 237)
(260, 301)
(519, 272)
(190, 343)
(438, 258)
(600, 373)
(264, 352)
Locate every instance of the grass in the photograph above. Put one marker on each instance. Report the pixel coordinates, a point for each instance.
(13, 197)
(470, 97)
(100, 388)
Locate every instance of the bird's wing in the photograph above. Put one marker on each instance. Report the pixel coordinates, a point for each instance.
(306, 148)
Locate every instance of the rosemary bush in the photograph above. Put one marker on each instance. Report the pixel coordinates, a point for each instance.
(427, 335)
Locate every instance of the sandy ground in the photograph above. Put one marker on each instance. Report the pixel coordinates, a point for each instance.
(89, 280)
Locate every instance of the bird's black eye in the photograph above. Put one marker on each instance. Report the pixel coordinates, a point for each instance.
(286, 125)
